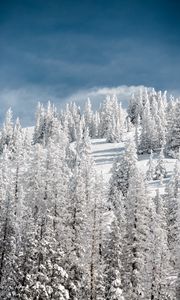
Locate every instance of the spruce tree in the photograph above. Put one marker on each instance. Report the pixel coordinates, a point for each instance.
(122, 169)
(138, 237)
(160, 169)
(113, 267)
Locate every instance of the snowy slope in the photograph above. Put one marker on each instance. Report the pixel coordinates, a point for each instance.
(104, 153)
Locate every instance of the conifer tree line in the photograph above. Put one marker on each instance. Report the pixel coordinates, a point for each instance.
(67, 235)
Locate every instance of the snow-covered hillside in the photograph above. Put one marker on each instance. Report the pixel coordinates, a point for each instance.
(105, 153)
(90, 202)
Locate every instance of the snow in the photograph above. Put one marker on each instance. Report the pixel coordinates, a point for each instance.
(104, 154)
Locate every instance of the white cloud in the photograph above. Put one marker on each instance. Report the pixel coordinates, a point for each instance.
(23, 101)
(96, 95)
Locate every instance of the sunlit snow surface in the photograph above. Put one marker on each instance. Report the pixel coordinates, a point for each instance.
(104, 153)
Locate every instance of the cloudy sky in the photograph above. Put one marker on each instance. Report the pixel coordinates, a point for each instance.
(61, 49)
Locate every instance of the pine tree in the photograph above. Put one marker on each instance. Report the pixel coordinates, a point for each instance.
(138, 239)
(151, 170)
(122, 169)
(171, 196)
(161, 269)
(113, 267)
(88, 117)
(174, 140)
(112, 119)
(115, 246)
(170, 116)
(7, 131)
(7, 228)
(149, 136)
(135, 107)
(39, 126)
(101, 196)
(137, 132)
(80, 198)
(115, 292)
(96, 125)
(160, 169)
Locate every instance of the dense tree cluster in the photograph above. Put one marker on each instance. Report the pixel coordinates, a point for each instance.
(157, 118)
(55, 239)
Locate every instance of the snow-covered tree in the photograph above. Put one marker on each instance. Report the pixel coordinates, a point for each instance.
(170, 116)
(8, 227)
(64, 232)
(112, 119)
(135, 106)
(122, 169)
(160, 169)
(173, 142)
(150, 171)
(148, 137)
(113, 267)
(7, 131)
(171, 196)
(138, 241)
(88, 117)
(161, 268)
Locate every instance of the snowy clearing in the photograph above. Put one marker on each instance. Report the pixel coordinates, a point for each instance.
(104, 154)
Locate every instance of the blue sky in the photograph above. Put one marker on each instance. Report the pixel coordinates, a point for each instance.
(60, 49)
